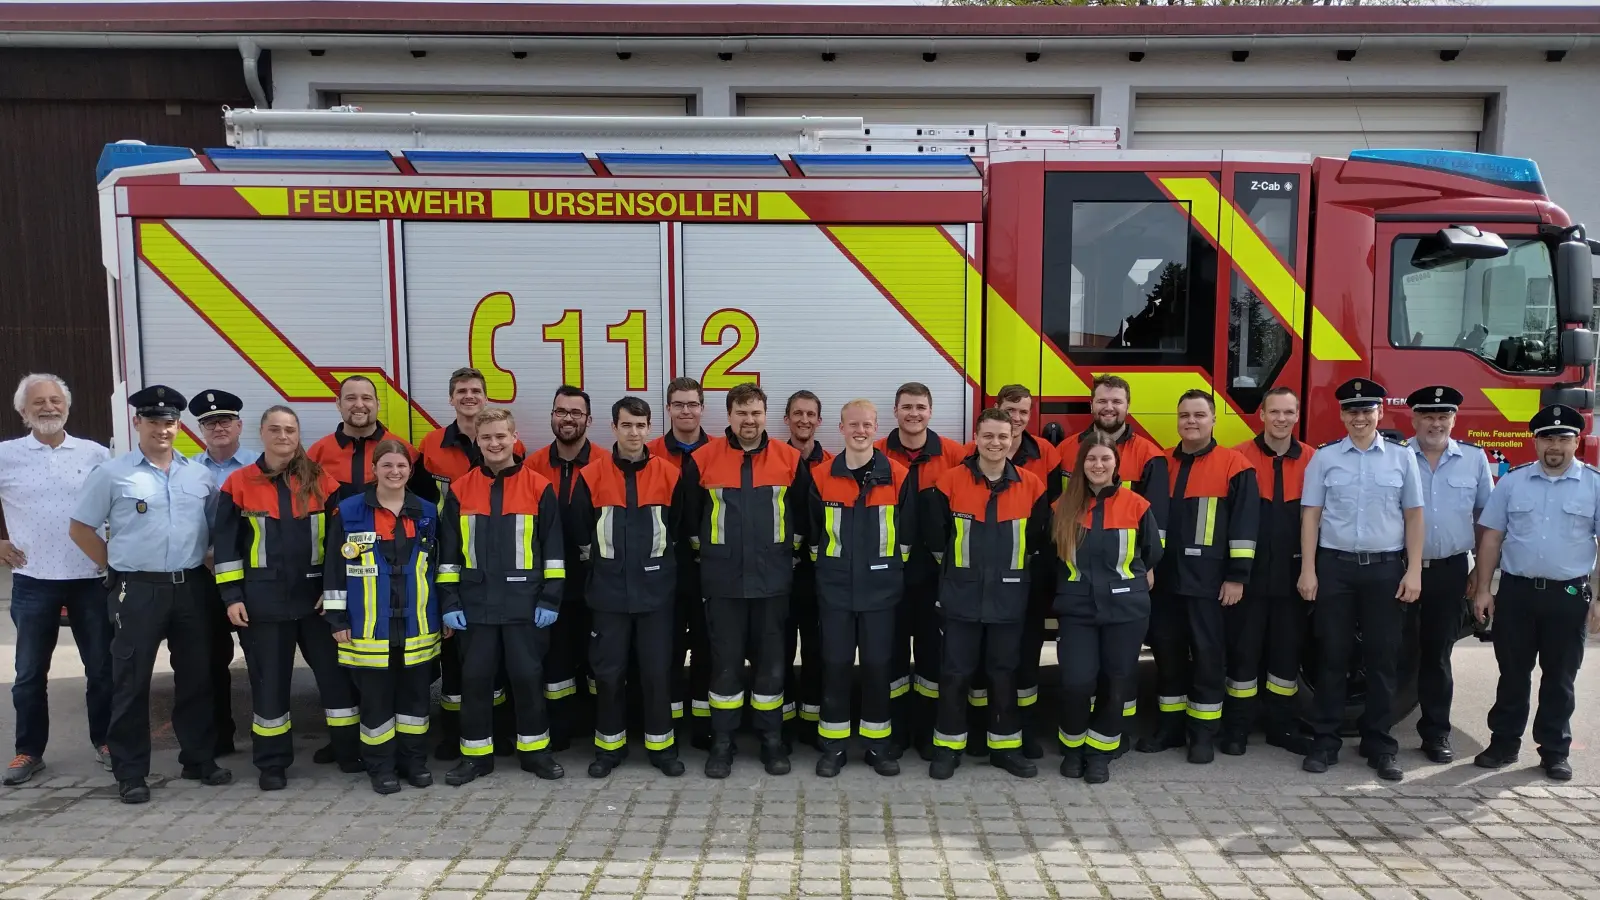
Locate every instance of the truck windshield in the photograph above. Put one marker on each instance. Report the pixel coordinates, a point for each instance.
(1501, 309)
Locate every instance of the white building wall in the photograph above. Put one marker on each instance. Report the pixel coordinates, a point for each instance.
(1536, 108)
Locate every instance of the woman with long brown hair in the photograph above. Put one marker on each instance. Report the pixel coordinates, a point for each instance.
(1107, 543)
(269, 539)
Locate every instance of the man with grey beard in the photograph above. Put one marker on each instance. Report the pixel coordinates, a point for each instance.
(40, 477)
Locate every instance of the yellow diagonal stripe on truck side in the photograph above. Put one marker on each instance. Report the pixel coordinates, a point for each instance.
(230, 315)
(1517, 404)
(1156, 396)
(267, 201)
(776, 206)
(1257, 262)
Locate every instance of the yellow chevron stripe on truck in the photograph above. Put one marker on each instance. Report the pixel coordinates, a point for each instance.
(273, 356)
(1259, 264)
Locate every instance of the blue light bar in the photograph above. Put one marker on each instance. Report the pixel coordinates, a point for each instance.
(875, 165)
(121, 156)
(497, 162)
(272, 159)
(1507, 171)
(748, 165)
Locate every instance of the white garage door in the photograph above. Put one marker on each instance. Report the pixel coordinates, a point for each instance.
(928, 110)
(1324, 126)
(521, 104)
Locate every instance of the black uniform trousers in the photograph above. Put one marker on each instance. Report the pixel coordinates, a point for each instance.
(1288, 620)
(1041, 601)
(567, 664)
(518, 649)
(1244, 628)
(1352, 597)
(691, 684)
(966, 646)
(648, 638)
(803, 684)
(1099, 667)
(450, 688)
(1440, 613)
(146, 609)
(269, 653)
(844, 633)
(394, 713)
(1543, 624)
(221, 658)
(918, 627)
(741, 629)
(1188, 639)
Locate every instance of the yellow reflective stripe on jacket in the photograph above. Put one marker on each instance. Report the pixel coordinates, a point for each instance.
(603, 537)
(963, 543)
(229, 572)
(469, 542)
(1242, 549)
(447, 574)
(780, 524)
(369, 596)
(887, 539)
(1205, 526)
(1019, 540)
(423, 589)
(1125, 562)
(719, 516)
(832, 517)
(658, 536)
(525, 533)
(258, 542)
(319, 536)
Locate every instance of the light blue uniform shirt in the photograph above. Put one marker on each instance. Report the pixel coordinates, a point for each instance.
(171, 533)
(1363, 495)
(220, 472)
(1550, 524)
(1451, 496)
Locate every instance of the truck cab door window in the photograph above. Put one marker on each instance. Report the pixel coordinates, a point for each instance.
(1502, 310)
(1258, 343)
(1122, 266)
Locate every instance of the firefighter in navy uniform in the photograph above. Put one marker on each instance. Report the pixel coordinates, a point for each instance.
(987, 517)
(1540, 527)
(683, 436)
(926, 456)
(1270, 623)
(502, 569)
(1455, 483)
(860, 510)
(444, 455)
(802, 690)
(1212, 513)
(270, 538)
(566, 667)
(627, 505)
(748, 522)
(379, 598)
(1361, 532)
(1106, 545)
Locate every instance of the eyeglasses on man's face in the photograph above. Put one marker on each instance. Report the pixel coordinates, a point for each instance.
(571, 415)
(685, 405)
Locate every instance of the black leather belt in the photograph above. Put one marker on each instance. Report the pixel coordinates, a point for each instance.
(1545, 584)
(1443, 560)
(178, 577)
(1364, 559)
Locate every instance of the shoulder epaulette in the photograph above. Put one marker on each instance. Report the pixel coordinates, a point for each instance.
(1398, 442)
(1329, 443)
(1522, 466)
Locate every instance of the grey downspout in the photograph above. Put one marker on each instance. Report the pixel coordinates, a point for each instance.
(252, 72)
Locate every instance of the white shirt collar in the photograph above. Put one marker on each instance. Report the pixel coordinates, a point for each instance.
(68, 442)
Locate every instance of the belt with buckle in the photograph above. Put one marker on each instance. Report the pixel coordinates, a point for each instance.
(1364, 559)
(178, 577)
(1429, 563)
(1546, 584)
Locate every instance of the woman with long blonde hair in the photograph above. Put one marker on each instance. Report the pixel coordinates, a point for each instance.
(1107, 543)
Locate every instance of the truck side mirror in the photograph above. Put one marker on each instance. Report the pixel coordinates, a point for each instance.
(1578, 347)
(1457, 242)
(1574, 282)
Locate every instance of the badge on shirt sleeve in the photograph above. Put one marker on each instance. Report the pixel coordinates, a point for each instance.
(141, 507)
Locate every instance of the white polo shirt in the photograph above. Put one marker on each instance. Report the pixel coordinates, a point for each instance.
(39, 487)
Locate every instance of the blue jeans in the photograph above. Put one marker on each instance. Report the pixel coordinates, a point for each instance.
(36, 611)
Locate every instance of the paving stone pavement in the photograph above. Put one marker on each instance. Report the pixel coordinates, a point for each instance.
(982, 835)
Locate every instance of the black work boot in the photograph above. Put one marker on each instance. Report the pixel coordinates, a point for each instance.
(1439, 751)
(469, 768)
(831, 761)
(542, 764)
(774, 755)
(1072, 762)
(1496, 756)
(945, 762)
(605, 761)
(1097, 768)
(385, 783)
(719, 764)
(884, 762)
(1169, 734)
(272, 779)
(667, 762)
(1233, 744)
(1014, 762)
(1201, 750)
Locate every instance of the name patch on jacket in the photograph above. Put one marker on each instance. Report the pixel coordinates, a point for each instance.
(362, 537)
(361, 571)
